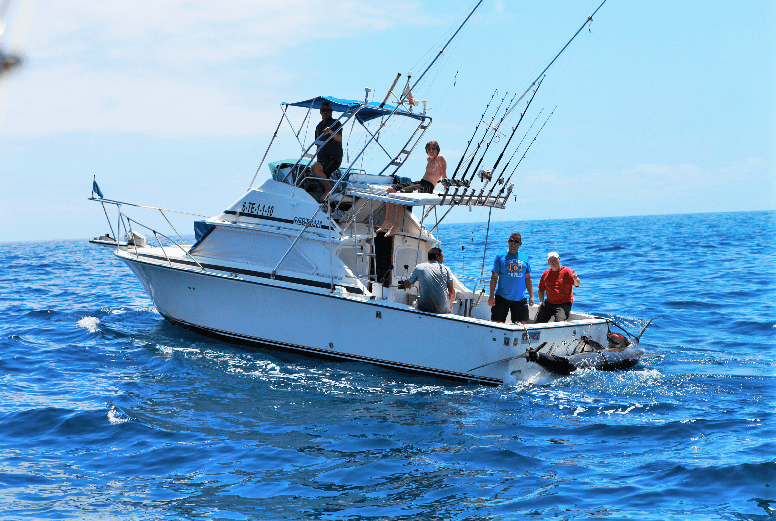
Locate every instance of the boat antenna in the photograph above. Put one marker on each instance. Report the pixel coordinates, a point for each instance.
(587, 21)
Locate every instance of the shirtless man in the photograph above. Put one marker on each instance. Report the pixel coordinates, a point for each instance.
(436, 169)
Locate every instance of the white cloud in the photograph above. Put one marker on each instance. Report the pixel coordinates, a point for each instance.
(174, 68)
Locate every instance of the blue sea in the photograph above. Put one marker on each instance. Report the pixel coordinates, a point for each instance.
(109, 412)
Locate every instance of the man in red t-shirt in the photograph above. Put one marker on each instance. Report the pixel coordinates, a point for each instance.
(559, 282)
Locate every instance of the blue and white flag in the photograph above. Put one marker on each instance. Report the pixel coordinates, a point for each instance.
(96, 189)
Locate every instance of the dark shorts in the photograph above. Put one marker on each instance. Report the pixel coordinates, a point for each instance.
(519, 309)
(561, 312)
(329, 164)
(422, 186)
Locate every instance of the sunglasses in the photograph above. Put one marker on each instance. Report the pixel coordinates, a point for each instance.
(518, 242)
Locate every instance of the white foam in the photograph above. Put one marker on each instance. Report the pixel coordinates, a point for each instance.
(116, 417)
(90, 324)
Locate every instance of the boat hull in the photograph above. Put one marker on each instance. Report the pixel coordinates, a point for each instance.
(318, 322)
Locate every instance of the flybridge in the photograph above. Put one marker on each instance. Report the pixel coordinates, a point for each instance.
(351, 183)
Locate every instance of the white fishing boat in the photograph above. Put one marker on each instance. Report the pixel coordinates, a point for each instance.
(284, 268)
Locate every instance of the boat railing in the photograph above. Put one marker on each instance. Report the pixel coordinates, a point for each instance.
(122, 217)
(451, 196)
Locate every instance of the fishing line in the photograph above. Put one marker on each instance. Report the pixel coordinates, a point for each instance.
(526, 151)
(521, 143)
(495, 134)
(456, 27)
(522, 115)
(477, 128)
(490, 127)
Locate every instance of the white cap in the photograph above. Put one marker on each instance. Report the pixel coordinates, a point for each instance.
(553, 254)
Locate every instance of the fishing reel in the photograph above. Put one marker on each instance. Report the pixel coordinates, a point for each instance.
(485, 176)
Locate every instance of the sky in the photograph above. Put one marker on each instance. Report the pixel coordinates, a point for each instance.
(658, 107)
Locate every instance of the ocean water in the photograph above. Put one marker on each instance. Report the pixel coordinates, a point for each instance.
(109, 412)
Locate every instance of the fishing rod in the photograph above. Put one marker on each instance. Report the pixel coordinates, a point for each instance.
(489, 176)
(515, 129)
(499, 178)
(524, 153)
(531, 86)
(484, 137)
(455, 172)
(451, 181)
(476, 168)
(462, 181)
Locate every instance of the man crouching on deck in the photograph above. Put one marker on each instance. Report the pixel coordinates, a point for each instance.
(513, 274)
(435, 284)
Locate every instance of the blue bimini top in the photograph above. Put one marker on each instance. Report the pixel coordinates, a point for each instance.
(371, 111)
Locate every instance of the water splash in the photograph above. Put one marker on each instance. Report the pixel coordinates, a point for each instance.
(89, 323)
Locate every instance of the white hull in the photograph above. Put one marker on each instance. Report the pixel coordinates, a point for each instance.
(318, 322)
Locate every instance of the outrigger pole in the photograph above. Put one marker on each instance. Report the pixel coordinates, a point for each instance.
(589, 19)
(445, 47)
(515, 104)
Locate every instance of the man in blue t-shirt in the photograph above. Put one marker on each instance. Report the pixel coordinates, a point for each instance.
(513, 274)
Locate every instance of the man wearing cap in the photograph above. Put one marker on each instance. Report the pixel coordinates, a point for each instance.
(559, 282)
(512, 272)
